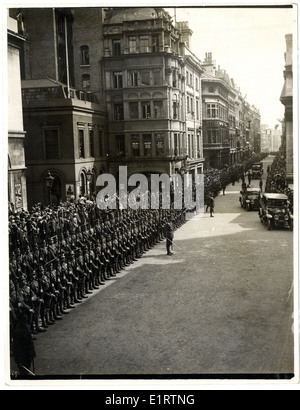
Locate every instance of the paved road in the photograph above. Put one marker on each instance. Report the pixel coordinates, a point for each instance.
(221, 304)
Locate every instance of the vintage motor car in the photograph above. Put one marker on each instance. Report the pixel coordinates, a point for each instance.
(257, 170)
(274, 211)
(249, 198)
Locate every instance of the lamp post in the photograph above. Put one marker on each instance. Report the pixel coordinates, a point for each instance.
(89, 175)
(49, 179)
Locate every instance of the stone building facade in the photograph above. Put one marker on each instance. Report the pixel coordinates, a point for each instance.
(66, 126)
(17, 191)
(286, 99)
(151, 102)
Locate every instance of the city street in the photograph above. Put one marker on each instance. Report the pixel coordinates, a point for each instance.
(221, 304)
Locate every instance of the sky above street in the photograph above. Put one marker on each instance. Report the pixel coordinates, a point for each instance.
(249, 43)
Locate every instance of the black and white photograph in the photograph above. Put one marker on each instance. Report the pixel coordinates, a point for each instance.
(151, 195)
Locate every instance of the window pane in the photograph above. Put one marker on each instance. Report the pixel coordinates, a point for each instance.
(134, 110)
(133, 78)
(81, 143)
(116, 47)
(147, 143)
(144, 44)
(159, 144)
(91, 140)
(51, 144)
(120, 145)
(135, 145)
(132, 45)
(145, 77)
(86, 82)
(85, 58)
(119, 113)
(146, 109)
(158, 109)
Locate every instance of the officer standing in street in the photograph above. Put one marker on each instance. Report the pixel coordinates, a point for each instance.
(169, 232)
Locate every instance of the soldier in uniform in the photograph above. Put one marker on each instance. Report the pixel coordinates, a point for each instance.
(169, 237)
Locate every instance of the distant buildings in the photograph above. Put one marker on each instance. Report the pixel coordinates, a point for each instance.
(120, 86)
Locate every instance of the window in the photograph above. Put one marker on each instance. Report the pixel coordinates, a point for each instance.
(155, 44)
(159, 144)
(145, 77)
(212, 111)
(144, 44)
(91, 142)
(176, 151)
(147, 144)
(191, 79)
(212, 136)
(51, 144)
(146, 109)
(158, 109)
(81, 143)
(118, 112)
(135, 145)
(132, 45)
(86, 82)
(134, 110)
(120, 145)
(157, 77)
(197, 84)
(197, 109)
(84, 55)
(116, 47)
(100, 139)
(118, 79)
(174, 79)
(133, 78)
(188, 103)
(175, 112)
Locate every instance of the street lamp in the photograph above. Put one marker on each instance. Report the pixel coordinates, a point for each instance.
(49, 179)
(89, 176)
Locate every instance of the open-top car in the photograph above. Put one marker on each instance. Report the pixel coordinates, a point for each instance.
(249, 198)
(274, 211)
(257, 170)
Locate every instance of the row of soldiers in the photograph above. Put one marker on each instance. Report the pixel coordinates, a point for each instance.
(216, 180)
(59, 256)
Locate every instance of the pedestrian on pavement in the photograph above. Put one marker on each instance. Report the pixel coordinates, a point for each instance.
(223, 187)
(208, 202)
(169, 237)
(242, 176)
(260, 184)
(212, 206)
(249, 178)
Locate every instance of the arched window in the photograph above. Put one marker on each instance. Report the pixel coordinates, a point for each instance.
(86, 82)
(84, 55)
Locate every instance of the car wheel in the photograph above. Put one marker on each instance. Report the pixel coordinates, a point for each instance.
(248, 208)
(269, 225)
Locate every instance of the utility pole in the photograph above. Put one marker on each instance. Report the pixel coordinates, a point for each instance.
(67, 58)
